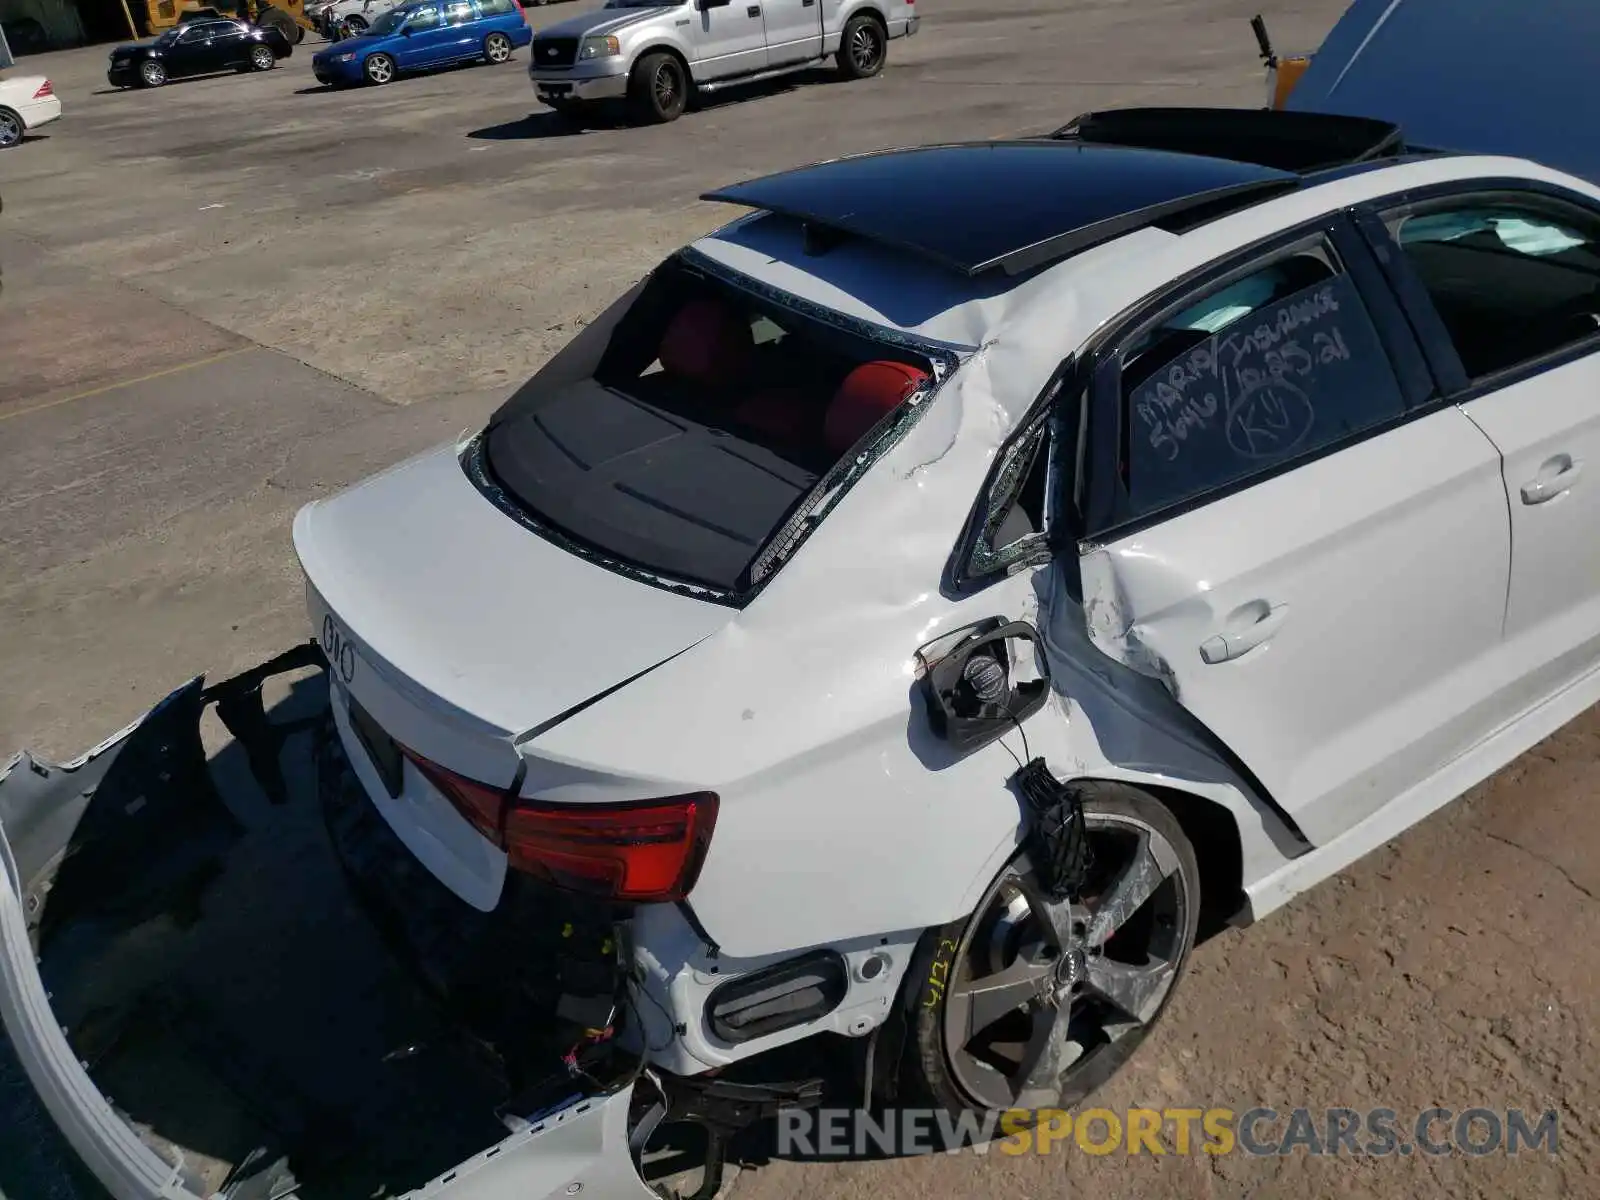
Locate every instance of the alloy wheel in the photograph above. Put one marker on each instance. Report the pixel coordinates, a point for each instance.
(499, 48)
(665, 86)
(261, 58)
(866, 48)
(10, 130)
(153, 73)
(1047, 998)
(380, 69)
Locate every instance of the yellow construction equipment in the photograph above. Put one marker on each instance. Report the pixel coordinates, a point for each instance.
(154, 16)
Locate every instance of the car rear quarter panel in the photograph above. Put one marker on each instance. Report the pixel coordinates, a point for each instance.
(840, 808)
(804, 712)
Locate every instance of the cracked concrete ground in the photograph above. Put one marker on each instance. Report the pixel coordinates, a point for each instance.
(229, 296)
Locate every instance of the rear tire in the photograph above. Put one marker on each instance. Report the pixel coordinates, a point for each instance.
(352, 27)
(658, 89)
(863, 48)
(379, 69)
(263, 59)
(10, 129)
(497, 48)
(961, 1043)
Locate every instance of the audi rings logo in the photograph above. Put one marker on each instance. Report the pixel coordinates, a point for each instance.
(338, 649)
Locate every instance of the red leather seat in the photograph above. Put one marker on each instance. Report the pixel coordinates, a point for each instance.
(788, 414)
(708, 343)
(867, 395)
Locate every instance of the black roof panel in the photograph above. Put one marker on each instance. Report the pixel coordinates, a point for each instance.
(1007, 205)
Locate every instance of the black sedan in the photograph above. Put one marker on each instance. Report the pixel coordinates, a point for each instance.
(198, 48)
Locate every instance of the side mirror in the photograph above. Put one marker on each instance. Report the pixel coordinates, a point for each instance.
(405, 31)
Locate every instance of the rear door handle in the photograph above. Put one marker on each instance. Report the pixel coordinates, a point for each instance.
(753, 11)
(1556, 476)
(1236, 643)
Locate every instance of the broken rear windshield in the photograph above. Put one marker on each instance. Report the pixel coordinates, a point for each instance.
(709, 419)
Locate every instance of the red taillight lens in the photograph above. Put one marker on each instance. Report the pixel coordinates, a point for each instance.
(44, 90)
(643, 852)
(647, 852)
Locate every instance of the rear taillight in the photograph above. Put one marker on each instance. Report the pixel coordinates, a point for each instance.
(645, 852)
(44, 90)
(640, 852)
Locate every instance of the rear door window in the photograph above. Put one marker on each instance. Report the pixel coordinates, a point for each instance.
(1278, 363)
(459, 12)
(423, 19)
(1512, 282)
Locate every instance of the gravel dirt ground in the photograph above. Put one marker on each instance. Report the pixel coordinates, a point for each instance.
(229, 296)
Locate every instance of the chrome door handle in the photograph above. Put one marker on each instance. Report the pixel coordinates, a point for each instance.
(1548, 487)
(1226, 647)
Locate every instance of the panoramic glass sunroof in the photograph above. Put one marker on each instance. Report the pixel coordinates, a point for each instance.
(1001, 205)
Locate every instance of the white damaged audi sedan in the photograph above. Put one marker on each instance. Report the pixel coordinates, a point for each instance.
(895, 622)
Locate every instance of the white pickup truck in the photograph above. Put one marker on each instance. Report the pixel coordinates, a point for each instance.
(656, 53)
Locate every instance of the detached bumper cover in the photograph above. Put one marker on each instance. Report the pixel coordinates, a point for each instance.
(583, 1147)
(582, 1150)
(35, 800)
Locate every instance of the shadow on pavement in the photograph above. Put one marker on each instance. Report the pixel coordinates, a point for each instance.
(602, 115)
(543, 125)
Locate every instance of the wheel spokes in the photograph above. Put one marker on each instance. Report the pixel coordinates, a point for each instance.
(976, 1004)
(1046, 1055)
(1057, 918)
(1134, 989)
(1152, 863)
(864, 48)
(1045, 988)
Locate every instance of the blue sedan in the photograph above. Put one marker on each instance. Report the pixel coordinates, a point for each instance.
(420, 36)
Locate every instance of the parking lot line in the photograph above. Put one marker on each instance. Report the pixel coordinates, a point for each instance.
(122, 383)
